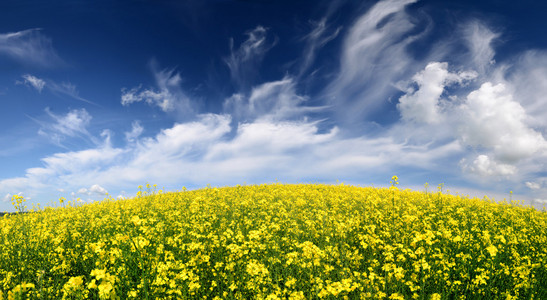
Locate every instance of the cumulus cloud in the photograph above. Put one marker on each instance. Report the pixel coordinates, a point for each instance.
(93, 190)
(97, 189)
(484, 166)
(488, 120)
(30, 47)
(491, 119)
(168, 96)
(533, 185)
(422, 105)
(244, 61)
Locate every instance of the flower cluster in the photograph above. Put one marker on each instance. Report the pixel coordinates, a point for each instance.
(277, 241)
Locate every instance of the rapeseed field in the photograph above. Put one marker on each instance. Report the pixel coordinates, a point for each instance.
(276, 241)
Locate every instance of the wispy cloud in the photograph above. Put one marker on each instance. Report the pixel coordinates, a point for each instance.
(373, 59)
(479, 39)
(168, 95)
(244, 61)
(526, 78)
(73, 124)
(30, 47)
(136, 131)
(64, 89)
(33, 82)
(67, 89)
(276, 100)
(319, 36)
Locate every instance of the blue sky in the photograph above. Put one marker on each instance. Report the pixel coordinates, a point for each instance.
(102, 96)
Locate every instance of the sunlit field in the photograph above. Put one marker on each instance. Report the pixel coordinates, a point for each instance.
(276, 241)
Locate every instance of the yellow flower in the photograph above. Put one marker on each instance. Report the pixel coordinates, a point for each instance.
(435, 296)
(492, 250)
(105, 290)
(76, 281)
(92, 284)
(396, 296)
(290, 283)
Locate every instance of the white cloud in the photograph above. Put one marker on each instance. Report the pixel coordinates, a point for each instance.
(67, 89)
(373, 59)
(244, 61)
(205, 151)
(64, 89)
(484, 166)
(93, 190)
(34, 82)
(533, 185)
(29, 47)
(182, 139)
(265, 138)
(275, 100)
(493, 120)
(319, 36)
(8, 197)
(136, 131)
(97, 189)
(479, 40)
(526, 77)
(73, 124)
(168, 96)
(422, 105)
(489, 120)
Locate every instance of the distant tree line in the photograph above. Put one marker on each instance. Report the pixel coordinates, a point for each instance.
(10, 213)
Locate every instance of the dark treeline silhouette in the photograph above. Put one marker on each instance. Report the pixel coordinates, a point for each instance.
(10, 213)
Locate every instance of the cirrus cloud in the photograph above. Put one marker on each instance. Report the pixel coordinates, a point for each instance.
(29, 47)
